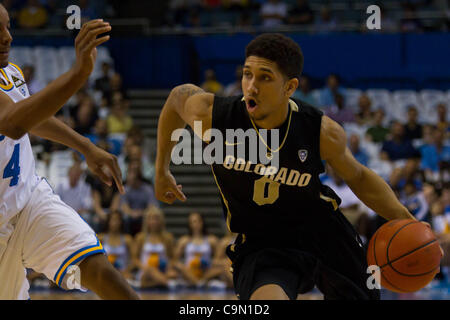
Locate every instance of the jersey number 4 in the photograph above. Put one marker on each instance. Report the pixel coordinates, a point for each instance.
(12, 169)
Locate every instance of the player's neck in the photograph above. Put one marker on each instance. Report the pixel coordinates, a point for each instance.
(275, 119)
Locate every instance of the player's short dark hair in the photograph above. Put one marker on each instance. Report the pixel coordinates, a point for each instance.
(284, 51)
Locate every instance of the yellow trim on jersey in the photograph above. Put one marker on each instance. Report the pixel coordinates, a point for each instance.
(224, 200)
(20, 70)
(328, 199)
(9, 85)
(80, 254)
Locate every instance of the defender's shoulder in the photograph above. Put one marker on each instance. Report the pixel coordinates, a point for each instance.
(14, 68)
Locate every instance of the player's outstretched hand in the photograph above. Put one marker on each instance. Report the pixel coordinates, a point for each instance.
(86, 44)
(167, 190)
(105, 166)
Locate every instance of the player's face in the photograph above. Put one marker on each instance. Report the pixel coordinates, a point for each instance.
(5, 37)
(265, 88)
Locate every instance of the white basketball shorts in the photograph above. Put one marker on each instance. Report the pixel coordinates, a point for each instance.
(47, 236)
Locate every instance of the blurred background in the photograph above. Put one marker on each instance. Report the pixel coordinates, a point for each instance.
(389, 88)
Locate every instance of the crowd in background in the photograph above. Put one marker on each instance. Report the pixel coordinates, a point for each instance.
(321, 15)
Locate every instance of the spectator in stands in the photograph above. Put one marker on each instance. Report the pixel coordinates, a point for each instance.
(103, 83)
(438, 201)
(116, 84)
(353, 209)
(442, 122)
(138, 198)
(377, 132)
(415, 201)
(194, 252)
(273, 13)
(428, 134)
(409, 21)
(154, 251)
(211, 84)
(436, 155)
(398, 149)
(358, 152)
(33, 15)
(326, 97)
(119, 121)
(413, 130)
(118, 245)
(365, 115)
(304, 92)
(338, 112)
(148, 147)
(86, 116)
(403, 158)
(235, 88)
(132, 153)
(33, 84)
(301, 13)
(105, 107)
(409, 172)
(325, 23)
(105, 199)
(76, 192)
(101, 133)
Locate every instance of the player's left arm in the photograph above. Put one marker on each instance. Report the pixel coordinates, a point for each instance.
(367, 185)
(96, 158)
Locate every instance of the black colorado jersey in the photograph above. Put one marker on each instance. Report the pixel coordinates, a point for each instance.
(259, 199)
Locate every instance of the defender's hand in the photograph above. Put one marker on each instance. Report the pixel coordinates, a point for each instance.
(105, 166)
(86, 44)
(167, 190)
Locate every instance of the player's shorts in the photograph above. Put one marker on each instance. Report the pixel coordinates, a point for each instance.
(47, 236)
(337, 267)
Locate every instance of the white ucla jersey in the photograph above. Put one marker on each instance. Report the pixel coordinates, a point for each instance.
(17, 169)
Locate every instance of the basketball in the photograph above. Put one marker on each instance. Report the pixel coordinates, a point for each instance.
(407, 253)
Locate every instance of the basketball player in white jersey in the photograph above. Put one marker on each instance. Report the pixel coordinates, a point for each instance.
(37, 230)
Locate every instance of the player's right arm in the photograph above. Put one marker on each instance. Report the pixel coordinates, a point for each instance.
(16, 119)
(185, 105)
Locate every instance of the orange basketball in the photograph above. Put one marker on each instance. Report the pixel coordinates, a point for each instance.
(407, 253)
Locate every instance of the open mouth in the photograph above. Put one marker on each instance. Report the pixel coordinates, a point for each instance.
(251, 105)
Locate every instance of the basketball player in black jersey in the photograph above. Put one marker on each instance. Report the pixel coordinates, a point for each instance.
(292, 235)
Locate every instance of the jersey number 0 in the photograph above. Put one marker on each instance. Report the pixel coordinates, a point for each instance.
(265, 191)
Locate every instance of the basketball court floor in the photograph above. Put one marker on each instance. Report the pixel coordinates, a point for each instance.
(433, 292)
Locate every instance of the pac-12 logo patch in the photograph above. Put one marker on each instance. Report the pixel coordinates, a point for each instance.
(303, 154)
